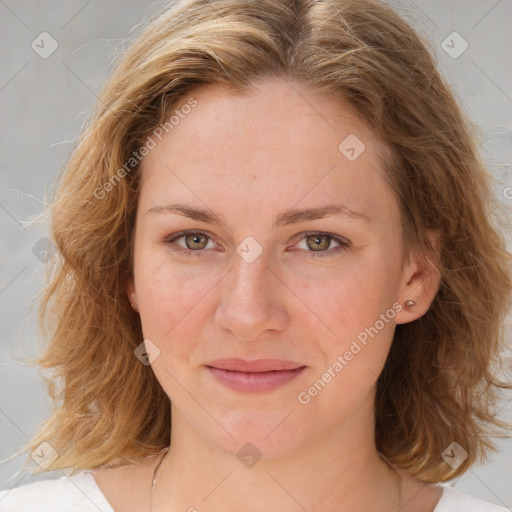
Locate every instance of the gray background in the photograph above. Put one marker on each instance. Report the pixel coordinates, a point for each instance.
(44, 102)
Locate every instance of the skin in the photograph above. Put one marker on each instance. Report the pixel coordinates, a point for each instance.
(249, 158)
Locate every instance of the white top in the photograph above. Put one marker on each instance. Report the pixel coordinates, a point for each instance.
(80, 493)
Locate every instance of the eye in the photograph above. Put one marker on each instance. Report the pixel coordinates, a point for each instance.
(317, 243)
(320, 242)
(194, 242)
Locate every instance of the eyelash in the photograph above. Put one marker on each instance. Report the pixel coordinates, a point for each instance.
(170, 241)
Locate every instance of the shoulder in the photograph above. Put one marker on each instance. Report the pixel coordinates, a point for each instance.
(78, 492)
(453, 500)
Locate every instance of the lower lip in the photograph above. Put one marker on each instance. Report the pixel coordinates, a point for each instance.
(255, 382)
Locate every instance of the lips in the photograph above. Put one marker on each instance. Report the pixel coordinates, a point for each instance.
(257, 365)
(254, 376)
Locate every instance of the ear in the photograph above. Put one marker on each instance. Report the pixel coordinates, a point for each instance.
(132, 294)
(420, 280)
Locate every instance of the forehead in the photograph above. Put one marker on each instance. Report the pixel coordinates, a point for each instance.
(272, 106)
(280, 141)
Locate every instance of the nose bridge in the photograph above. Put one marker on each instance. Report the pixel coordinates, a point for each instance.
(247, 278)
(249, 305)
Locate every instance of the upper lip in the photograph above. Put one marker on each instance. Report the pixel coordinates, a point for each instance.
(256, 365)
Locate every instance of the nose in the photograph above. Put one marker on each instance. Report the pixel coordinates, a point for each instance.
(252, 303)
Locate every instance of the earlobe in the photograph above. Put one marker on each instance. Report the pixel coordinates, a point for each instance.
(132, 295)
(421, 279)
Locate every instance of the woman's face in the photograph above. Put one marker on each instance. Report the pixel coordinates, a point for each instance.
(253, 265)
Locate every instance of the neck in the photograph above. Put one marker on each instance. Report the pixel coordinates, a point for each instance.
(340, 472)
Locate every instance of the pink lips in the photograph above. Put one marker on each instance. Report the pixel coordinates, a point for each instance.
(254, 376)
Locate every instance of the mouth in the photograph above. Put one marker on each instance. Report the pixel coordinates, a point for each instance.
(254, 376)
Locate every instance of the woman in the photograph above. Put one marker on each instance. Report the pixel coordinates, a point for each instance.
(275, 231)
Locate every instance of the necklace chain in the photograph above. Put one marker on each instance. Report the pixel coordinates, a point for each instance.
(155, 476)
(166, 451)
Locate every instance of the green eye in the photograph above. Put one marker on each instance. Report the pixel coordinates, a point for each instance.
(195, 241)
(317, 243)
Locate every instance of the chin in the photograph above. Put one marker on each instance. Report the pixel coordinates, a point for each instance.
(261, 432)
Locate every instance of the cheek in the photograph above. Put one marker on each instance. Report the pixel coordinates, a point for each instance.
(356, 328)
(168, 297)
(348, 300)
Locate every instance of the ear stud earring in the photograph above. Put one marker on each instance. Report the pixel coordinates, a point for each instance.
(408, 304)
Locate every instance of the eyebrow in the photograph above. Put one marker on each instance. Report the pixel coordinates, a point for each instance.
(292, 216)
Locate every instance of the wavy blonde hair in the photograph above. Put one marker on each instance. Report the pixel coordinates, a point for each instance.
(440, 382)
